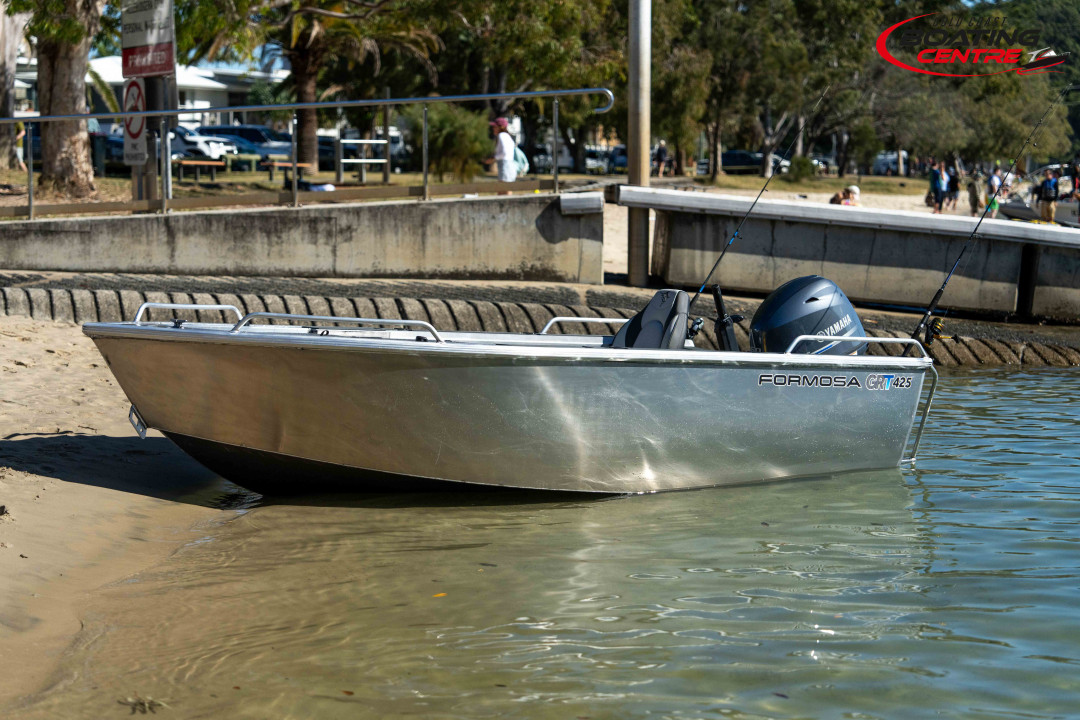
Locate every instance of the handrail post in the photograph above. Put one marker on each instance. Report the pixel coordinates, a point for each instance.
(427, 195)
(166, 162)
(555, 145)
(339, 155)
(28, 150)
(295, 202)
(386, 139)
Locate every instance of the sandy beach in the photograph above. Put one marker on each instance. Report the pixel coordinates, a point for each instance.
(86, 503)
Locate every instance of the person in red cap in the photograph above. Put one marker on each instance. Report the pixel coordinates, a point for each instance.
(504, 152)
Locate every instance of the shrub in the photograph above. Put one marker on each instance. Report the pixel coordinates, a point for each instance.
(801, 169)
(457, 139)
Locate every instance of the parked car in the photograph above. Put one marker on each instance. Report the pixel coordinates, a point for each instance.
(596, 161)
(189, 142)
(618, 160)
(886, 163)
(744, 162)
(269, 141)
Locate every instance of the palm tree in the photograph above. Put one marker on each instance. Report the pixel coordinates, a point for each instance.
(314, 33)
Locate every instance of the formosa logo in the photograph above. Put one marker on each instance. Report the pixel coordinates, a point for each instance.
(967, 43)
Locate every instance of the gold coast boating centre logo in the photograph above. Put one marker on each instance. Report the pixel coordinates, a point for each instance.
(967, 47)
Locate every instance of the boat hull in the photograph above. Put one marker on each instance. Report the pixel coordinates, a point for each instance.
(581, 420)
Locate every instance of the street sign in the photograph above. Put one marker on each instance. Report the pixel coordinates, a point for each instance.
(148, 38)
(135, 128)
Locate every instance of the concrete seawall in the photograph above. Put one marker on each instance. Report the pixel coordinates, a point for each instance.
(877, 256)
(511, 238)
(111, 305)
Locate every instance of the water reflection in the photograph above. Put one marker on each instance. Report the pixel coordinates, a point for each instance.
(947, 591)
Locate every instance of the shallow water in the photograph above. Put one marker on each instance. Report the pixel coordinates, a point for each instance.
(947, 591)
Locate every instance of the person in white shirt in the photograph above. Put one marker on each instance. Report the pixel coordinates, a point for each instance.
(504, 152)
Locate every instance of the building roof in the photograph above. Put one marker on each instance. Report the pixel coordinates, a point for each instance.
(110, 69)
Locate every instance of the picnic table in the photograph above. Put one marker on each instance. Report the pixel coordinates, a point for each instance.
(286, 166)
(198, 164)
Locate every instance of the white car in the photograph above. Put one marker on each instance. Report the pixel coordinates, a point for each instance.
(188, 142)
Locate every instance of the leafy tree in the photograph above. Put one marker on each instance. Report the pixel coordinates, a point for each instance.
(457, 139)
(680, 77)
(64, 30)
(11, 34)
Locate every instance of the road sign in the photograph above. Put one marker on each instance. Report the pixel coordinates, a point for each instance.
(148, 38)
(134, 128)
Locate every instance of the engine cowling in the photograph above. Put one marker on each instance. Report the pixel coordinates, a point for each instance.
(810, 305)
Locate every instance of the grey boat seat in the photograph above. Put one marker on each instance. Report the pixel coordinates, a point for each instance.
(660, 326)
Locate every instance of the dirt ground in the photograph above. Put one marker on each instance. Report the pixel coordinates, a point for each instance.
(84, 502)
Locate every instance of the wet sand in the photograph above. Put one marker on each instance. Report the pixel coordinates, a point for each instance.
(86, 502)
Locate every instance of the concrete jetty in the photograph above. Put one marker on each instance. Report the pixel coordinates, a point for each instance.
(479, 306)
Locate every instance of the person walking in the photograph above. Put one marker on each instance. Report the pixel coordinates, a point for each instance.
(952, 193)
(992, 184)
(1048, 192)
(661, 158)
(505, 148)
(939, 182)
(20, 133)
(974, 197)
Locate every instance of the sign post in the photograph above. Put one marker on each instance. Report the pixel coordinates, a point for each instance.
(149, 51)
(134, 128)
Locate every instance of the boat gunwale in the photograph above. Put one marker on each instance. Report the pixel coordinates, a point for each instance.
(277, 336)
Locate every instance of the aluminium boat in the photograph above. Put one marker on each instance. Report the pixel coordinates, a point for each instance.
(343, 401)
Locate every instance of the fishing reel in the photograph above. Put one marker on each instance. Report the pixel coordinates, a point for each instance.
(933, 332)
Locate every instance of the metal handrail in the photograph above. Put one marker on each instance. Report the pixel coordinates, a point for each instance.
(617, 321)
(910, 460)
(330, 318)
(380, 102)
(183, 306)
(853, 338)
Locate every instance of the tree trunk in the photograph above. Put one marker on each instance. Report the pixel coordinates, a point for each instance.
(715, 165)
(305, 67)
(11, 32)
(65, 145)
(842, 153)
(799, 138)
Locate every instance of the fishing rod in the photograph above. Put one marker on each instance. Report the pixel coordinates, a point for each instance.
(723, 252)
(936, 324)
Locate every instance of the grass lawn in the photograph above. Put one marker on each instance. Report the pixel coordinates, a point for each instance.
(867, 184)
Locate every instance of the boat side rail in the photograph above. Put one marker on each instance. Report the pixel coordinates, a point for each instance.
(856, 338)
(183, 306)
(246, 320)
(552, 321)
(910, 460)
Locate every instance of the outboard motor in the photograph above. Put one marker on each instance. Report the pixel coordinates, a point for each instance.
(808, 305)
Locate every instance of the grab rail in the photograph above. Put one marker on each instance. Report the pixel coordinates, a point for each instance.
(886, 341)
(183, 306)
(329, 318)
(854, 338)
(552, 321)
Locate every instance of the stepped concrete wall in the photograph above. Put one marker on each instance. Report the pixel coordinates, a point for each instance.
(503, 238)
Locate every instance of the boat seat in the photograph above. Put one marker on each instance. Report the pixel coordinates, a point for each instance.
(661, 325)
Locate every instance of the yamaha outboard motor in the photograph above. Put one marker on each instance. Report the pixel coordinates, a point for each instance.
(806, 306)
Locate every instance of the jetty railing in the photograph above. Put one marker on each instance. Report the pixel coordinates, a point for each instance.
(294, 196)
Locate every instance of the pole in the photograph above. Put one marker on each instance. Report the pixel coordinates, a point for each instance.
(295, 202)
(427, 195)
(386, 139)
(339, 154)
(640, 133)
(166, 165)
(29, 153)
(555, 146)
